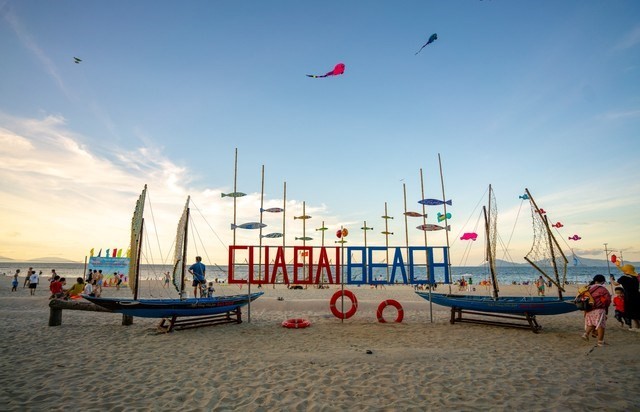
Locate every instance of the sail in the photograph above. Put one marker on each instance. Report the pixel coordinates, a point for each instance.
(179, 254)
(545, 254)
(491, 222)
(136, 239)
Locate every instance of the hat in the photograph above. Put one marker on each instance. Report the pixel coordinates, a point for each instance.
(628, 269)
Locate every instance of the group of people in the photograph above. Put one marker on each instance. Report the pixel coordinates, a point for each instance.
(198, 271)
(626, 302)
(31, 280)
(57, 284)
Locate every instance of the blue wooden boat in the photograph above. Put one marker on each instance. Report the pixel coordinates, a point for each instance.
(166, 308)
(512, 305)
(174, 307)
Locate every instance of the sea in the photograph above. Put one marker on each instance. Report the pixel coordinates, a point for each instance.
(522, 274)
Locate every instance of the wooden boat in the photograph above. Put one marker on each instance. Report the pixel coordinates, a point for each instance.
(545, 256)
(169, 308)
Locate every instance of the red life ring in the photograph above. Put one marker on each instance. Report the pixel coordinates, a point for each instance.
(393, 303)
(296, 323)
(354, 304)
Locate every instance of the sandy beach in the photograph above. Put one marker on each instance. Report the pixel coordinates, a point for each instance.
(92, 362)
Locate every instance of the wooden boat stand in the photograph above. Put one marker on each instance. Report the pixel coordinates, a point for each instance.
(531, 322)
(174, 323)
(56, 306)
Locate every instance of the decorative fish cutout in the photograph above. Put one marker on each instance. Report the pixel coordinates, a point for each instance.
(432, 38)
(469, 236)
(442, 217)
(337, 70)
(272, 235)
(430, 228)
(574, 237)
(302, 217)
(415, 214)
(557, 225)
(233, 194)
(304, 238)
(434, 202)
(250, 225)
(77, 60)
(366, 228)
(387, 217)
(542, 211)
(272, 210)
(322, 228)
(387, 233)
(341, 241)
(524, 197)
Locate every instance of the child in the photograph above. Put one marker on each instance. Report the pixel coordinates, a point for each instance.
(88, 289)
(210, 290)
(618, 304)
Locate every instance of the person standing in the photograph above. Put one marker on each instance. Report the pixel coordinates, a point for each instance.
(33, 282)
(629, 282)
(540, 284)
(596, 318)
(198, 271)
(26, 279)
(14, 282)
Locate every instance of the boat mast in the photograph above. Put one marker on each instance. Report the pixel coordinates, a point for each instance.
(446, 221)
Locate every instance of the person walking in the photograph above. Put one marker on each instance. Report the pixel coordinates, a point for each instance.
(629, 282)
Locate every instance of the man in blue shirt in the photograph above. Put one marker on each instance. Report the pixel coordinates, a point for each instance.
(198, 271)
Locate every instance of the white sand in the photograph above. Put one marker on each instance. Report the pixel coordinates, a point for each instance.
(92, 362)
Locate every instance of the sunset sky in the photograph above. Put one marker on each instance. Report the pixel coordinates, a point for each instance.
(542, 95)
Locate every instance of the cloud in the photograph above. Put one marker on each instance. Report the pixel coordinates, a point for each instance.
(622, 114)
(631, 39)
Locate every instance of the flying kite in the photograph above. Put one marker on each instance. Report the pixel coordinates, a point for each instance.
(77, 60)
(339, 69)
(432, 38)
(574, 237)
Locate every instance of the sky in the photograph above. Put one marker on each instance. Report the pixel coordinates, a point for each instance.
(200, 98)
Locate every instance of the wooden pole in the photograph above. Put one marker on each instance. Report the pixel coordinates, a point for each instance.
(426, 254)
(446, 221)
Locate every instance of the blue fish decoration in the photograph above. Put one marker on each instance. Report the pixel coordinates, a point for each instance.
(272, 210)
(434, 202)
(304, 238)
(272, 235)
(250, 225)
(524, 197)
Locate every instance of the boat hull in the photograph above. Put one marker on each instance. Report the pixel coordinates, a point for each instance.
(164, 308)
(515, 305)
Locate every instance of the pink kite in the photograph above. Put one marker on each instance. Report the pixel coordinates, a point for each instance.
(339, 69)
(469, 236)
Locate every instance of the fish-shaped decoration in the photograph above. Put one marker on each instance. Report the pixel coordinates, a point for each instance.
(304, 238)
(341, 241)
(557, 225)
(469, 236)
(442, 217)
(542, 211)
(302, 217)
(272, 235)
(322, 228)
(272, 210)
(387, 217)
(430, 228)
(574, 237)
(387, 233)
(250, 225)
(434, 202)
(233, 194)
(524, 197)
(366, 228)
(415, 214)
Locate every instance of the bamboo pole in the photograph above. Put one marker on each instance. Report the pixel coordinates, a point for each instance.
(446, 221)
(261, 215)
(426, 253)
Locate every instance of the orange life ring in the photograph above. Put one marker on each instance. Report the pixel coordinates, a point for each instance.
(393, 303)
(296, 323)
(354, 304)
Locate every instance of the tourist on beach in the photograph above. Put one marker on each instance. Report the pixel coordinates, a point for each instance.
(167, 279)
(14, 282)
(33, 282)
(88, 289)
(618, 304)
(99, 278)
(90, 275)
(596, 319)
(76, 289)
(210, 290)
(26, 279)
(198, 271)
(118, 280)
(55, 287)
(540, 284)
(629, 282)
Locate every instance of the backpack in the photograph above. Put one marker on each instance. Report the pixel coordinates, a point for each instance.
(584, 301)
(601, 300)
